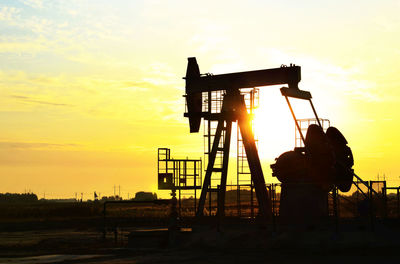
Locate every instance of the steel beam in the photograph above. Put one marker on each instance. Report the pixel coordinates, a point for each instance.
(224, 175)
(210, 165)
(232, 81)
(253, 159)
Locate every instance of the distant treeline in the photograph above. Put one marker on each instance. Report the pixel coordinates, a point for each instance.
(18, 197)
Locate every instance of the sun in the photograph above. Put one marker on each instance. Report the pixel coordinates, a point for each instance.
(274, 126)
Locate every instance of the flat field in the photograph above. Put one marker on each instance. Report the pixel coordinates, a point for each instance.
(79, 233)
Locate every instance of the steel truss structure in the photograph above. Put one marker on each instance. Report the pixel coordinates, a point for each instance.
(182, 175)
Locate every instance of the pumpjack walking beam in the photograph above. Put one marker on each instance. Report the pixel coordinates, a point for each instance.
(234, 109)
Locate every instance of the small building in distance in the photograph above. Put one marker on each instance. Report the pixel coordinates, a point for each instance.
(145, 196)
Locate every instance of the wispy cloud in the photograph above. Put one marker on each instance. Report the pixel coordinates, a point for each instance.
(326, 78)
(8, 13)
(34, 145)
(32, 100)
(37, 4)
(94, 96)
(13, 46)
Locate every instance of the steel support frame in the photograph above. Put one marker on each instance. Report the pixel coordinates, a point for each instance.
(234, 109)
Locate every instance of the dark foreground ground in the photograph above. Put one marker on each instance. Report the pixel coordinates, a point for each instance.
(214, 256)
(74, 233)
(234, 243)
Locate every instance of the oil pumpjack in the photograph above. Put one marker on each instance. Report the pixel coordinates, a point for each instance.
(325, 160)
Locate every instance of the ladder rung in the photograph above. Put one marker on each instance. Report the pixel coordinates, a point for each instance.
(217, 170)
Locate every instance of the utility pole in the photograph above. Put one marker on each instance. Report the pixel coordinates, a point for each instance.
(114, 190)
(119, 190)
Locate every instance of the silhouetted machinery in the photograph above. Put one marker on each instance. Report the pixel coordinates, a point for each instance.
(307, 174)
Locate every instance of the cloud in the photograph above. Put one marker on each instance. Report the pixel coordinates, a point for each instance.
(71, 37)
(112, 97)
(37, 4)
(137, 86)
(33, 145)
(8, 13)
(31, 100)
(330, 80)
(32, 46)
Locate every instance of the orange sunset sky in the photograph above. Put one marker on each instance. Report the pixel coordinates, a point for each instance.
(90, 89)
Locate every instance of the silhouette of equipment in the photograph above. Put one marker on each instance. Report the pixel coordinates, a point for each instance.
(307, 175)
(234, 110)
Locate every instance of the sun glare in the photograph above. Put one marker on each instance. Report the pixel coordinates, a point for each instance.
(273, 123)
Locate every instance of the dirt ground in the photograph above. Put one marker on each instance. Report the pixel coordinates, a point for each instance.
(217, 256)
(204, 245)
(145, 239)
